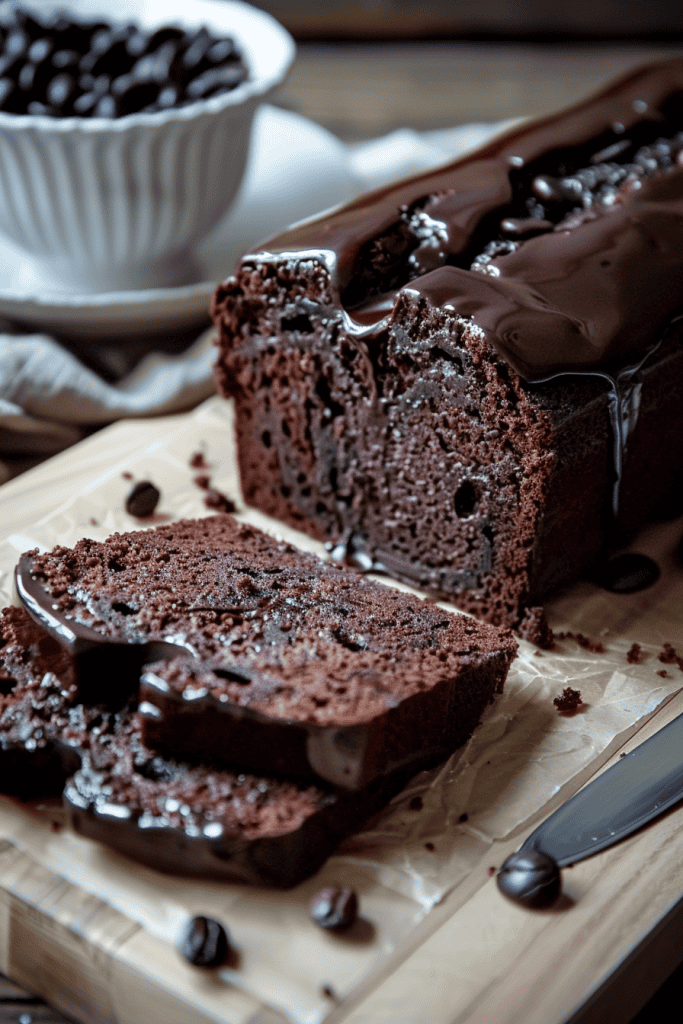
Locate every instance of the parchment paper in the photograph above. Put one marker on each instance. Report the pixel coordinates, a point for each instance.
(520, 759)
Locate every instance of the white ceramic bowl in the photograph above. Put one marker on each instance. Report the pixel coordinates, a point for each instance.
(120, 203)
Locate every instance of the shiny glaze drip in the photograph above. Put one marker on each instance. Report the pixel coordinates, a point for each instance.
(591, 294)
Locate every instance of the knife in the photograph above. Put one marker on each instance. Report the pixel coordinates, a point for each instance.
(634, 791)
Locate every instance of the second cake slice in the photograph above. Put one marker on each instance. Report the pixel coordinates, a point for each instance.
(254, 653)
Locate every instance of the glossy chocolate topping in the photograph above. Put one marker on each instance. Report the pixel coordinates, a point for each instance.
(562, 241)
(267, 656)
(590, 289)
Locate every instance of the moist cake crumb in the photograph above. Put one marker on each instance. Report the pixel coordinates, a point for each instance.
(569, 700)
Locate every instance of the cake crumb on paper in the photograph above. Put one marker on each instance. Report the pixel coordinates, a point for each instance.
(569, 700)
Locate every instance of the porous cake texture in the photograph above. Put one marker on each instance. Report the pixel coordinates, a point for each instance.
(473, 379)
(191, 819)
(254, 653)
(213, 702)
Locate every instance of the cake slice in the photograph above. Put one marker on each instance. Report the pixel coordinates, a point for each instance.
(191, 819)
(37, 689)
(209, 822)
(251, 652)
(473, 379)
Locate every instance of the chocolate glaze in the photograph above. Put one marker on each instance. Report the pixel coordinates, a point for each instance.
(590, 294)
(550, 283)
(190, 818)
(323, 674)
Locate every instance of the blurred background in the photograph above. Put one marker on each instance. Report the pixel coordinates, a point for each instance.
(488, 19)
(366, 66)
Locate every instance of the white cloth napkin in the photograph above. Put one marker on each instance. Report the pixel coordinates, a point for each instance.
(49, 398)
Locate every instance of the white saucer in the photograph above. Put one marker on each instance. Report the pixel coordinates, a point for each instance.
(296, 169)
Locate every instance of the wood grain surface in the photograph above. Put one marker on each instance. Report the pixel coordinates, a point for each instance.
(362, 91)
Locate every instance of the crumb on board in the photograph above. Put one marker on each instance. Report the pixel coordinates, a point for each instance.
(594, 646)
(198, 461)
(219, 502)
(670, 656)
(569, 700)
(634, 654)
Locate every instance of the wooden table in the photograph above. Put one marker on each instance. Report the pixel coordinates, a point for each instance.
(363, 91)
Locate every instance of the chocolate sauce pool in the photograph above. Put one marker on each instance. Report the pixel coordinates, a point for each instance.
(562, 242)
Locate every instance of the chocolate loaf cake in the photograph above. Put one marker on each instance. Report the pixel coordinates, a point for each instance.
(37, 685)
(191, 819)
(473, 380)
(260, 655)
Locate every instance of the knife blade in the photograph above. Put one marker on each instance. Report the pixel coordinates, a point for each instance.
(631, 793)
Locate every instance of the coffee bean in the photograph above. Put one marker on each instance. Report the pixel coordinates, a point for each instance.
(137, 43)
(85, 104)
(40, 49)
(65, 59)
(627, 573)
(36, 107)
(221, 51)
(33, 48)
(143, 499)
(7, 87)
(196, 51)
(61, 90)
(334, 907)
(215, 80)
(205, 942)
(27, 77)
(110, 61)
(155, 67)
(168, 97)
(125, 89)
(106, 106)
(17, 43)
(531, 878)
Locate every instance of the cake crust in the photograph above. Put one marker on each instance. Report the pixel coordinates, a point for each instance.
(457, 379)
(194, 819)
(244, 650)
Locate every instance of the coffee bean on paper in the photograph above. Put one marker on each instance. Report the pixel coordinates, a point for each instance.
(143, 499)
(205, 942)
(627, 573)
(334, 907)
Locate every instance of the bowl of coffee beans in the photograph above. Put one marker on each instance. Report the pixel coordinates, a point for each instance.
(124, 131)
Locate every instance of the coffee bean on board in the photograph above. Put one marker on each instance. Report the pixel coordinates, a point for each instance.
(334, 907)
(627, 573)
(205, 942)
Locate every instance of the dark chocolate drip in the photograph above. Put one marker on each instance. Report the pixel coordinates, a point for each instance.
(561, 241)
(619, 258)
(77, 637)
(623, 403)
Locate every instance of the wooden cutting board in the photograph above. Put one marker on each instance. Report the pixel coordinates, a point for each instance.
(475, 957)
